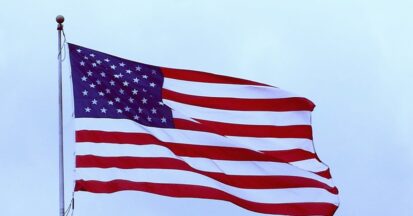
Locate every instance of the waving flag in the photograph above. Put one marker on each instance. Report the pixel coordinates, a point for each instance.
(182, 133)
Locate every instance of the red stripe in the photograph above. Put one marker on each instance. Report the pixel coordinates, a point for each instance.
(240, 181)
(187, 150)
(325, 174)
(198, 76)
(196, 191)
(291, 155)
(279, 105)
(228, 129)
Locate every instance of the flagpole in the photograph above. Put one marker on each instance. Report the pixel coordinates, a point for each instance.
(60, 19)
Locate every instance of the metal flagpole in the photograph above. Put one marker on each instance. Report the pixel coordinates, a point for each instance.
(60, 19)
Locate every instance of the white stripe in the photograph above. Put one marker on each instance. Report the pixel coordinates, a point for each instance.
(290, 195)
(257, 168)
(243, 117)
(312, 165)
(274, 144)
(180, 115)
(224, 90)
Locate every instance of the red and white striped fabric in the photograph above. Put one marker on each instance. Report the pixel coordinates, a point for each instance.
(234, 140)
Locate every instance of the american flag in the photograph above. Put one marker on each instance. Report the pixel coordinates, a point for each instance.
(182, 133)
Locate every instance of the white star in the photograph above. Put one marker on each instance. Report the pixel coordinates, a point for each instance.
(112, 82)
(103, 110)
(153, 110)
(121, 91)
(101, 93)
(160, 103)
(153, 71)
(163, 119)
(92, 85)
(136, 117)
(79, 50)
(134, 92)
(144, 90)
(89, 73)
(82, 63)
(84, 78)
(113, 67)
(110, 102)
(149, 119)
(138, 68)
(122, 64)
(131, 100)
(119, 111)
(125, 83)
(140, 110)
(120, 75)
(117, 99)
(98, 82)
(152, 84)
(85, 57)
(94, 64)
(107, 91)
(136, 80)
(106, 60)
(145, 76)
(98, 61)
(93, 55)
(103, 74)
(128, 71)
(85, 92)
(144, 100)
(127, 109)
(87, 109)
(94, 101)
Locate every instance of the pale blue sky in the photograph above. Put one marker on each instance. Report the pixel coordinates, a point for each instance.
(352, 58)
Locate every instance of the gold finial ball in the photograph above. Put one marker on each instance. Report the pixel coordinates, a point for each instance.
(60, 19)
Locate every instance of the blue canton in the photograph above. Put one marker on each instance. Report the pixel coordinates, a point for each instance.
(107, 86)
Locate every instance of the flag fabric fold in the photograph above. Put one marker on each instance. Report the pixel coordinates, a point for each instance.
(191, 134)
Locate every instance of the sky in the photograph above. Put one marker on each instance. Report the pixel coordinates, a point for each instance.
(352, 58)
